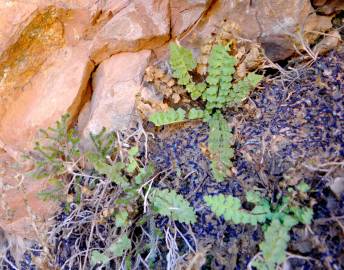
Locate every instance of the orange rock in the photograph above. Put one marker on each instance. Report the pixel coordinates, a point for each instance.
(20, 206)
(14, 16)
(143, 24)
(328, 6)
(275, 23)
(115, 83)
(58, 88)
(184, 14)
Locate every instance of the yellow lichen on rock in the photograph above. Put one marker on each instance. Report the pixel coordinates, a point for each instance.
(23, 59)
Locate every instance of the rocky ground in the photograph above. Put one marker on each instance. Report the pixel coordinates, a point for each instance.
(74, 56)
(291, 130)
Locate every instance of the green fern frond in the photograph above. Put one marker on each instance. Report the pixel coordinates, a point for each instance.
(169, 117)
(169, 203)
(276, 235)
(182, 61)
(242, 88)
(220, 71)
(230, 208)
(181, 58)
(220, 144)
(274, 246)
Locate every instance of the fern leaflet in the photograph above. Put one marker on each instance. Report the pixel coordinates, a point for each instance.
(230, 208)
(242, 88)
(182, 61)
(169, 203)
(169, 117)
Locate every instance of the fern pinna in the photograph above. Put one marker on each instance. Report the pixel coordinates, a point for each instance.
(169, 117)
(182, 62)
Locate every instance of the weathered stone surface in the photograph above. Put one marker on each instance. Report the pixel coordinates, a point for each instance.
(184, 14)
(338, 186)
(273, 22)
(13, 17)
(20, 206)
(115, 83)
(23, 59)
(113, 6)
(58, 88)
(328, 6)
(141, 24)
(330, 42)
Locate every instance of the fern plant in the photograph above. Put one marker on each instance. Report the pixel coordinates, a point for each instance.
(220, 144)
(52, 155)
(278, 220)
(169, 203)
(218, 90)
